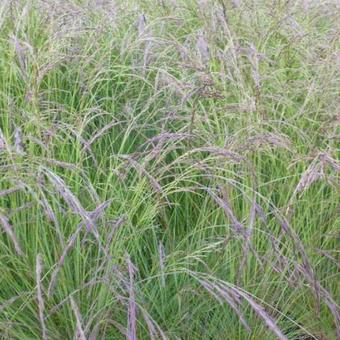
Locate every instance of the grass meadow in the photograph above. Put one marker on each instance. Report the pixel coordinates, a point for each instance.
(169, 169)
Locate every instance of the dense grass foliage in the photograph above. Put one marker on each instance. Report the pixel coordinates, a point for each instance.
(169, 169)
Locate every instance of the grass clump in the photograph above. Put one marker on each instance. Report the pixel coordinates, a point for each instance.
(169, 169)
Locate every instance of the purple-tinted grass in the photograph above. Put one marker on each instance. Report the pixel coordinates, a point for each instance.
(23, 207)
(100, 133)
(220, 152)
(264, 139)
(61, 164)
(260, 311)
(19, 146)
(6, 192)
(132, 310)
(3, 143)
(329, 160)
(330, 257)
(98, 212)
(225, 205)
(203, 48)
(166, 137)
(155, 331)
(223, 295)
(153, 182)
(21, 54)
(233, 295)
(9, 231)
(80, 331)
(247, 243)
(141, 23)
(41, 303)
(115, 225)
(51, 216)
(305, 268)
(161, 252)
(312, 174)
(72, 201)
(69, 246)
(10, 301)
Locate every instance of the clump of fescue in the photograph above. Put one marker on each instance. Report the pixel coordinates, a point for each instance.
(168, 169)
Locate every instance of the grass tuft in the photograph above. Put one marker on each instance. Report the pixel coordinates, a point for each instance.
(169, 169)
